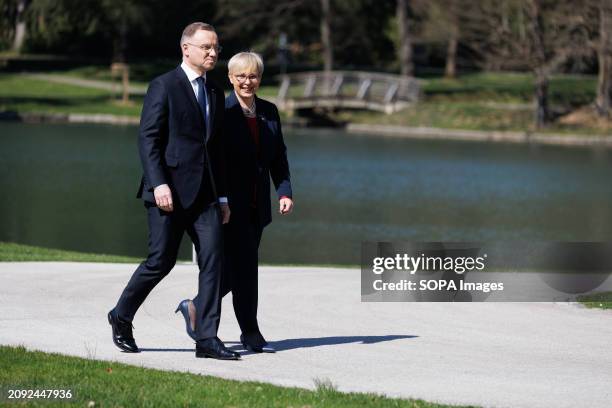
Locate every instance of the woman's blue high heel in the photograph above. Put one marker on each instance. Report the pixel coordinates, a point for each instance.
(183, 307)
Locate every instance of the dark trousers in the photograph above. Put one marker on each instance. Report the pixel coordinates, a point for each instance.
(241, 244)
(202, 224)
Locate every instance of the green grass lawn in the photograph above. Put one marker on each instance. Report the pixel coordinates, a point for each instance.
(479, 101)
(510, 87)
(601, 300)
(22, 94)
(447, 114)
(104, 74)
(111, 384)
(487, 101)
(11, 252)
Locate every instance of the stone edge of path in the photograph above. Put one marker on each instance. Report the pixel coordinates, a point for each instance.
(35, 117)
(481, 135)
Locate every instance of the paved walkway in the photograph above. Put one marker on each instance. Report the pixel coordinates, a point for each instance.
(487, 354)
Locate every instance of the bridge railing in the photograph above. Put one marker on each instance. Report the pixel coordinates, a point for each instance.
(347, 89)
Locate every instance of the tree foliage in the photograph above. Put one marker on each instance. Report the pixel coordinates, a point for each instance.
(541, 36)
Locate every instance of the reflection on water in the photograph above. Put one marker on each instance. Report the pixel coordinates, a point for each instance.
(73, 187)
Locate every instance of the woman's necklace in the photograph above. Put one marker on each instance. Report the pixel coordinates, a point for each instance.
(250, 111)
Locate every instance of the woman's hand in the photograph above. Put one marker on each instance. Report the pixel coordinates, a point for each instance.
(285, 205)
(225, 213)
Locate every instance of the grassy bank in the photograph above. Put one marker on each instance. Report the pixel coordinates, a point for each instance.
(23, 94)
(600, 300)
(11, 252)
(109, 384)
(491, 101)
(480, 101)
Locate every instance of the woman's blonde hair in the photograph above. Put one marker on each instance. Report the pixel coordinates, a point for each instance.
(245, 61)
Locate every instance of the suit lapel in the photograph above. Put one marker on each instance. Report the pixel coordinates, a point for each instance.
(264, 131)
(236, 118)
(185, 85)
(264, 136)
(244, 132)
(212, 100)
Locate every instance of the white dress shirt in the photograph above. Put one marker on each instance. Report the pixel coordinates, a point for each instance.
(192, 76)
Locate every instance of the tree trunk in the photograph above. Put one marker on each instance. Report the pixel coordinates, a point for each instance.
(20, 26)
(120, 42)
(541, 99)
(328, 52)
(451, 55)
(404, 53)
(604, 55)
(539, 63)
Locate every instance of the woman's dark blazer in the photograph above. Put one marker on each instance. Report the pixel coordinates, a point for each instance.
(246, 170)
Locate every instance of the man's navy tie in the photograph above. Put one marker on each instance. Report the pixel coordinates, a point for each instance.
(202, 100)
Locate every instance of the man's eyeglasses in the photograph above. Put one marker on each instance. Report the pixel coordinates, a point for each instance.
(243, 77)
(207, 47)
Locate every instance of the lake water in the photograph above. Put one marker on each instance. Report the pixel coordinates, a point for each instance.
(73, 187)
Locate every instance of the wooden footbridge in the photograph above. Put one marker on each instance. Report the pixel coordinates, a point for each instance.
(347, 89)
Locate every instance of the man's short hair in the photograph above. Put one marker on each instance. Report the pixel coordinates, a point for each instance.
(191, 29)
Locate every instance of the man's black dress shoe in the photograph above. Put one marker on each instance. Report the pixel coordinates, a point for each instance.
(183, 307)
(122, 333)
(214, 348)
(263, 348)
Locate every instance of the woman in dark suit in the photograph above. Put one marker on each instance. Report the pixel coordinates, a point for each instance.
(256, 151)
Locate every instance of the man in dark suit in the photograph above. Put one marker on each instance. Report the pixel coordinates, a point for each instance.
(184, 189)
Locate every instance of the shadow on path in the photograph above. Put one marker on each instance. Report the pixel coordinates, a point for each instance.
(290, 344)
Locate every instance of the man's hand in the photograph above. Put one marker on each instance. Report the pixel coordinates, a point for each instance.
(285, 205)
(225, 213)
(163, 197)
